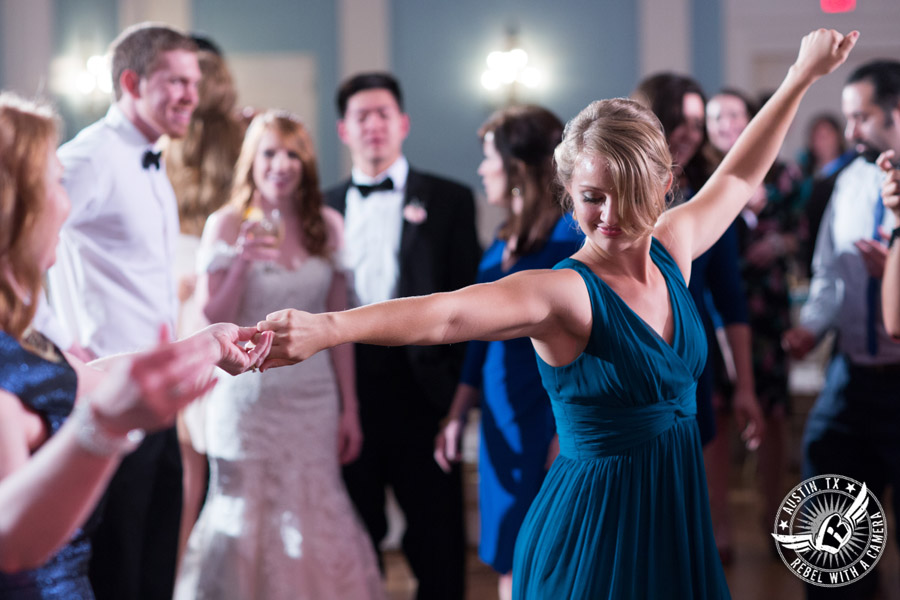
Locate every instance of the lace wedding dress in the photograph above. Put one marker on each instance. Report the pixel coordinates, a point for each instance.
(277, 522)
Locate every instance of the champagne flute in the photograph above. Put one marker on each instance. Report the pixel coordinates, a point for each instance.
(269, 225)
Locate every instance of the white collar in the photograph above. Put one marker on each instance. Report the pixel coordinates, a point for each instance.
(128, 130)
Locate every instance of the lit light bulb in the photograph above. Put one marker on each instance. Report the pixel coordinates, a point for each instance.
(496, 60)
(85, 83)
(530, 77)
(518, 58)
(490, 80)
(96, 65)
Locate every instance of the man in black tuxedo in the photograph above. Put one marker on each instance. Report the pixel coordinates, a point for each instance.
(406, 233)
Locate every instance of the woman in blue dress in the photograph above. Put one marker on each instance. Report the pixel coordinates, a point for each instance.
(517, 428)
(64, 425)
(623, 512)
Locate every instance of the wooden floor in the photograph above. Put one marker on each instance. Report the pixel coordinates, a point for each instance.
(756, 573)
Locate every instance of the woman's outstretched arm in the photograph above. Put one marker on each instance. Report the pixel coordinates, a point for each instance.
(696, 225)
(551, 307)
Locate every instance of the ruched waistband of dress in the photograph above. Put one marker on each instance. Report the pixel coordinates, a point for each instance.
(593, 431)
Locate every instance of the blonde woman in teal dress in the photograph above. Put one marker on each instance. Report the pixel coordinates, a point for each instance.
(623, 512)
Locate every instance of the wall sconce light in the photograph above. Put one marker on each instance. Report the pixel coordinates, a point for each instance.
(507, 70)
(89, 80)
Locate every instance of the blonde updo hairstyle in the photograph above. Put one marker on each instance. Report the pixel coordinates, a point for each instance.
(630, 139)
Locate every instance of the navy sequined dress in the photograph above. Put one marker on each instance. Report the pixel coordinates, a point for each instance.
(47, 387)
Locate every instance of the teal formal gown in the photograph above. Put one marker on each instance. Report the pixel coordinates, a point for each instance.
(623, 512)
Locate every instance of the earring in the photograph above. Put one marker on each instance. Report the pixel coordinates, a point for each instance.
(515, 192)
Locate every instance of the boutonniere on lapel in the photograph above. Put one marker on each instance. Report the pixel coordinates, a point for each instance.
(415, 212)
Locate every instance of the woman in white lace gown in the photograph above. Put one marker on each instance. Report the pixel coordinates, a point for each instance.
(278, 522)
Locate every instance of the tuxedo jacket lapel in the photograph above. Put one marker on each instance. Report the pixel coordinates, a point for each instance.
(337, 197)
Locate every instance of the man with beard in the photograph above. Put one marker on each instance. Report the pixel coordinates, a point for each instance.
(854, 427)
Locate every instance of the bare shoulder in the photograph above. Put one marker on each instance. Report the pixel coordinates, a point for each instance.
(566, 327)
(562, 293)
(224, 224)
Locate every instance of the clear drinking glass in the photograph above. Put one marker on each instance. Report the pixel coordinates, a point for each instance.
(269, 225)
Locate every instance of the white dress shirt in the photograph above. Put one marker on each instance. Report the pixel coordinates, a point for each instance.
(837, 292)
(372, 230)
(113, 284)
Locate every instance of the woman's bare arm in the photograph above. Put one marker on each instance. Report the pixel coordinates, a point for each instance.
(45, 497)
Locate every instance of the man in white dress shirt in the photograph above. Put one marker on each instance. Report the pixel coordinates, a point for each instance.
(854, 426)
(113, 285)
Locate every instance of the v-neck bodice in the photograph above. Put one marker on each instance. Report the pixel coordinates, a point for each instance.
(627, 372)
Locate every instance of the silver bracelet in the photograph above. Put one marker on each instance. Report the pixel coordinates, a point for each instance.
(93, 438)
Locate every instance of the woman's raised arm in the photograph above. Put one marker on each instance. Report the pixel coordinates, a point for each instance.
(700, 222)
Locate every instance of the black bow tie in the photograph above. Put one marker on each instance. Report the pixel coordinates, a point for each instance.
(364, 190)
(150, 158)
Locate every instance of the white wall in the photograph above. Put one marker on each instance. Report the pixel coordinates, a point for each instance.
(26, 44)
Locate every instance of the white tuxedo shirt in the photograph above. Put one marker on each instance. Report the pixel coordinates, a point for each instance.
(113, 284)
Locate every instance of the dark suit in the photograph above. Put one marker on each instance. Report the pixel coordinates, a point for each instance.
(404, 393)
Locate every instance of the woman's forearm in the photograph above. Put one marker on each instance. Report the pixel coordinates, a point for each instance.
(719, 202)
(758, 145)
(44, 501)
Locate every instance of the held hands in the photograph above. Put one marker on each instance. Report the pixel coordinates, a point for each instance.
(822, 51)
(223, 343)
